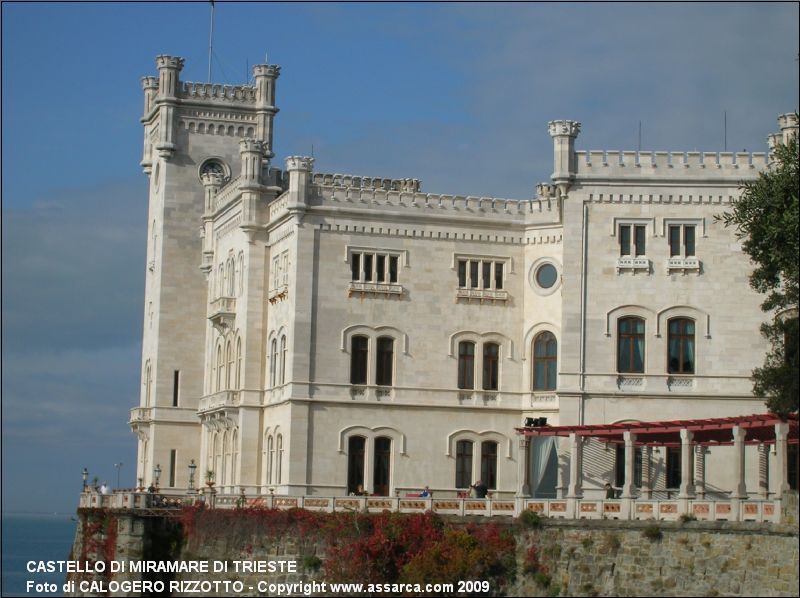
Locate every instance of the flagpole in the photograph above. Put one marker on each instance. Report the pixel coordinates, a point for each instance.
(210, 41)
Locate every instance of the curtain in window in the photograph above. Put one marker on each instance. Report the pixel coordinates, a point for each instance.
(491, 352)
(466, 365)
(489, 464)
(463, 464)
(383, 373)
(630, 343)
(358, 360)
(545, 365)
(544, 450)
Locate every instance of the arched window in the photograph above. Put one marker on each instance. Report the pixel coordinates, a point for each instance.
(238, 363)
(630, 345)
(231, 277)
(222, 470)
(229, 360)
(234, 456)
(358, 359)
(212, 449)
(463, 464)
(148, 383)
(240, 273)
(681, 346)
(221, 280)
(381, 470)
(355, 463)
(270, 458)
(489, 463)
(279, 459)
(283, 359)
(545, 357)
(491, 353)
(220, 368)
(383, 370)
(466, 365)
(273, 361)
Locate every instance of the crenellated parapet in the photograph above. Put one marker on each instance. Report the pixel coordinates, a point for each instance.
(364, 182)
(717, 166)
(213, 92)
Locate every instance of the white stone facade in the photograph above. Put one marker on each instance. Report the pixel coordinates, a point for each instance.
(259, 280)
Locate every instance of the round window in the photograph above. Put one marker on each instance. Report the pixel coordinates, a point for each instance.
(546, 275)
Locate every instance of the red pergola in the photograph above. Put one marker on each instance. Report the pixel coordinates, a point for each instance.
(759, 429)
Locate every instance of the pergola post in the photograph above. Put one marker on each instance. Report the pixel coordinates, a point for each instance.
(523, 468)
(763, 470)
(647, 472)
(781, 435)
(740, 491)
(575, 489)
(700, 471)
(630, 451)
(563, 473)
(686, 464)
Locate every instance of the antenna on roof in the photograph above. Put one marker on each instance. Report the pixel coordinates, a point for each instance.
(246, 71)
(725, 129)
(210, 40)
(639, 148)
(312, 150)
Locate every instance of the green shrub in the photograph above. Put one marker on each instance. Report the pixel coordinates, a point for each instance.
(312, 562)
(653, 533)
(531, 519)
(542, 579)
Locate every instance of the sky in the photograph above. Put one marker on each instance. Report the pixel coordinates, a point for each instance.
(457, 95)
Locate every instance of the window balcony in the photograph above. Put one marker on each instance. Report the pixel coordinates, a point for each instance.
(683, 264)
(633, 264)
(222, 312)
(141, 415)
(482, 294)
(219, 400)
(278, 294)
(374, 288)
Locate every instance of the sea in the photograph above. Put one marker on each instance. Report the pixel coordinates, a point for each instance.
(35, 537)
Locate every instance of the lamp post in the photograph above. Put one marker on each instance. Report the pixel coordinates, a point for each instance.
(192, 469)
(85, 476)
(157, 475)
(118, 466)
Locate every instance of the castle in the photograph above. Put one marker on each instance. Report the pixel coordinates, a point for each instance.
(309, 333)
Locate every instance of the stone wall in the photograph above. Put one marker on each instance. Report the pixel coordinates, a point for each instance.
(559, 557)
(611, 558)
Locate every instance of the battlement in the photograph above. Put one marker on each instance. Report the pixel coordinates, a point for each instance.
(364, 182)
(487, 209)
(676, 165)
(243, 94)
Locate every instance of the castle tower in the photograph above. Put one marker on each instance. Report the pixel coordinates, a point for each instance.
(564, 133)
(192, 135)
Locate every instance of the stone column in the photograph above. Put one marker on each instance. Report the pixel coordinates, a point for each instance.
(686, 463)
(740, 490)
(700, 471)
(763, 471)
(630, 453)
(523, 469)
(575, 489)
(781, 435)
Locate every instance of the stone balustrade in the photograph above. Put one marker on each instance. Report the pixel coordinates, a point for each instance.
(566, 508)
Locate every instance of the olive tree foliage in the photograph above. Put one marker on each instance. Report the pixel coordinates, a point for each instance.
(766, 220)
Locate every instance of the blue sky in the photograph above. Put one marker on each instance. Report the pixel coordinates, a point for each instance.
(457, 95)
